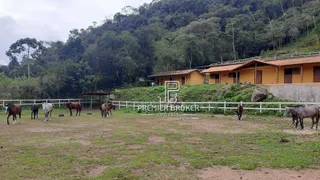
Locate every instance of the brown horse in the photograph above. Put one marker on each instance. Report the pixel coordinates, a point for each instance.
(239, 111)
(13, 109)
(106, 109)
(74, 105)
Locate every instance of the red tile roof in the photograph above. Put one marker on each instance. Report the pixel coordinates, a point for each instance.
(173, 73)
(296, 61)
(221, 68)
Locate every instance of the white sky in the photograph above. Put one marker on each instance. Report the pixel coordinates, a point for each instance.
(52, 19)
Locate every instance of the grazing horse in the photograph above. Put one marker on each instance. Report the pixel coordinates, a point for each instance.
(106, 109)
(47, 107)
(304, 112)
(74, 105)
(34, 111)
(13, 109)
(239, 111)
(294, 113)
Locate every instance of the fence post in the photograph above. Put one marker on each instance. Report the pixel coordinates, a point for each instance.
(280, 107)
(46, 100)
(20, 102)
(34, 101)
(260, 107)
(134, 105)
(225, 107)
(209, 107)
(119, 104)
(126, 104)
(59, 102)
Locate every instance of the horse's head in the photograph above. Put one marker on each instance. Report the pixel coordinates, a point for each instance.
(287, 111)
(6, 107)
(67, 104)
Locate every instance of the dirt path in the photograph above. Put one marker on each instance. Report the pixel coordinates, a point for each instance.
(226, 173)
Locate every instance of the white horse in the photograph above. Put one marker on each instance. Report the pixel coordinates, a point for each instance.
(47, 107)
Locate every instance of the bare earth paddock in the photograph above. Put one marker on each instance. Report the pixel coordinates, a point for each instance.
(135, 146)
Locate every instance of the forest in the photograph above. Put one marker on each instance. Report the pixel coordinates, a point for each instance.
(160, 36)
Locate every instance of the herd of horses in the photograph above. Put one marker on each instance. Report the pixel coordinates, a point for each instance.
(15, 109)
(297, 113)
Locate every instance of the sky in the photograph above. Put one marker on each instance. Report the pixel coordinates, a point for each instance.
(51, 20)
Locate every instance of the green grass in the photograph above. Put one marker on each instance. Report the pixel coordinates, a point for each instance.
(70, 147)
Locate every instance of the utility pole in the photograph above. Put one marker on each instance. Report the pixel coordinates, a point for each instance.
(28, 71)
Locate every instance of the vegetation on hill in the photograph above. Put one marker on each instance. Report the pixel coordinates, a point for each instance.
(189, 93)
(160, 36)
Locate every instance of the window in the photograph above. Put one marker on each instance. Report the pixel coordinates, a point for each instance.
(232, 75)
(316, 74)
(296, 71)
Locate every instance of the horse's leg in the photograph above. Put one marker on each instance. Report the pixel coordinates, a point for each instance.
(14, 119)
(70, 112)
(301, 123)
(31, 114)
(297, 121)
(312, 122)
(50, 115)
(8, 119)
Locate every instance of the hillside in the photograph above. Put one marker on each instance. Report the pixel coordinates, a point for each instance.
(160, 36)
(303, 44)
(191, 93)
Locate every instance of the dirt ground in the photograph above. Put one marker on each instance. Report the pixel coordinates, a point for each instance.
(226, 173)
(138, 136)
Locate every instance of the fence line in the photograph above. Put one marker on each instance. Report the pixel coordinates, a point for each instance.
(260, 106)
(28, 102)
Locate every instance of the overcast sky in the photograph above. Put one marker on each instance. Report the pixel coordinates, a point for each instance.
(52, 19)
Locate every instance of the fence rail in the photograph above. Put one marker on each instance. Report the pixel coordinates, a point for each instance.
(258, 106)
(29, 102)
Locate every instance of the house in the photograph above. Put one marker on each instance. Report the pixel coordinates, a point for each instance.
(190, 76)
(297, 70)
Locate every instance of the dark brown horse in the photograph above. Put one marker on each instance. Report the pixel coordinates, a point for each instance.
(300, 113)
(239, 111)
(34, 111)
(106, 109)
(13, 109)
(74, 105)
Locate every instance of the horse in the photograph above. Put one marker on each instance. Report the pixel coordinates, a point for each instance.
(13, 109)
(74, 105)
(304, 112)
(34, 111)
(105, 109)
(239, 111)
(293, 112)
(47, 107)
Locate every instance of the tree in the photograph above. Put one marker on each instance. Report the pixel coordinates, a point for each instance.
(25, 51)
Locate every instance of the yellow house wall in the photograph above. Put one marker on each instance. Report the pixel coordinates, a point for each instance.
(192, 78)
(247, 75)
(225, 79)
(195, 78)
(296, 78)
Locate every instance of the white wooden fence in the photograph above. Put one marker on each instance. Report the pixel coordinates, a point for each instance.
(29, 102)
(258, 106)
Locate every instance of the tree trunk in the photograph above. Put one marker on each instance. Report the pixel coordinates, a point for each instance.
(233, 43)
(281, 4)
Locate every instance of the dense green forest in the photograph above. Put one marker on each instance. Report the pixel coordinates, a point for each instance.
(160, 36)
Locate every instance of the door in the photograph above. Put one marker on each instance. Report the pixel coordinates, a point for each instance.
(259, 77)
(217, 78)
(184, 80)
(316, 74)
(287, 75)
(235, 80)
